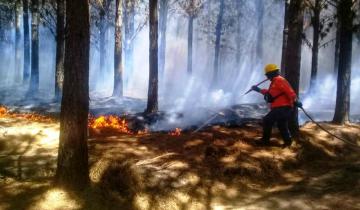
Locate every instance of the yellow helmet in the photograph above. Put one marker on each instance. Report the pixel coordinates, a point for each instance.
(270, 68)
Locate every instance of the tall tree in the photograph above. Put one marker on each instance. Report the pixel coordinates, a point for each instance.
(285, 35)
(293, 53)
(60, 48)
(191, 9)
(103, 26)
(315, 46)
(26, 67)
(152, 102)
(337, 49)
(218, 33)
(129, 26)
(164, 8)
(72, 166)
(17, 41)
(345, 17)
(34, 78)
(321, 27)
(118, 69)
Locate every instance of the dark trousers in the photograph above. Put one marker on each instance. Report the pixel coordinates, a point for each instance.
(280, 116)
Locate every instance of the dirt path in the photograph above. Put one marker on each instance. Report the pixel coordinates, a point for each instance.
(220, 168)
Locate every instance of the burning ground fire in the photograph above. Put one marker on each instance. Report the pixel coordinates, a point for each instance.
(4, 112)
(110, 123)
(101, 125)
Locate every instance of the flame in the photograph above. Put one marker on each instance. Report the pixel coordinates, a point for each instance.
(4, 112)
(99, 125)
(176, 132)
(109, 123)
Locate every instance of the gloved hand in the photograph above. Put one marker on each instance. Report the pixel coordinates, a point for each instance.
(255, 88)
(268, 98)
(298, 104)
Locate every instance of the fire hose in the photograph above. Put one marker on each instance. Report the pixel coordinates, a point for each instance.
(328, 132)
(305, 112)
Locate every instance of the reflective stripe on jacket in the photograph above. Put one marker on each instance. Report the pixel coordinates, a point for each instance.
(281, 89)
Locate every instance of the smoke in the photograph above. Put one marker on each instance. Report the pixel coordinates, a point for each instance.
(191, 95)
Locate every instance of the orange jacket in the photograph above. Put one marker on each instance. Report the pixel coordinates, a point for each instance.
(281, 89)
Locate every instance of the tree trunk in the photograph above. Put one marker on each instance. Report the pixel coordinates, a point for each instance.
(342, 108)
(34, 78)
(17, 41)
(293, 54)
(218, 31)
(152, 104)
(337, 49)
(118, 69)
(72, 166)
(129, 22)
(315, 47)
(60, 48)
(285, 37)
(190, 45)
(26, 67)
(164, 7)
(260, 32)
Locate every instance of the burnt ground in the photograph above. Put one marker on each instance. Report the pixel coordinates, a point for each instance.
(217, 168)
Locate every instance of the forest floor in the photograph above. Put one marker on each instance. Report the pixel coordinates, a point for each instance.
(217, 168)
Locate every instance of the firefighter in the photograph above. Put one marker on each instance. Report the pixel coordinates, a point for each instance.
(282, 98)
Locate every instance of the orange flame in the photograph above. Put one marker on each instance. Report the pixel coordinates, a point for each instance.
(176, 132)
(109, 123)
(4, 112)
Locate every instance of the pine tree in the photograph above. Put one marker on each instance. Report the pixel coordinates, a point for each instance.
(218, 34)
(152, 102)
(293, 53)
(35, 19)
(346, 17)
(26, 67)
(72, 166)
(118, 69)
(17, 41)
